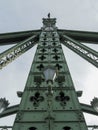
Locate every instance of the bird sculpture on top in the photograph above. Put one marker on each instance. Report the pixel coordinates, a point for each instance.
(48, 15)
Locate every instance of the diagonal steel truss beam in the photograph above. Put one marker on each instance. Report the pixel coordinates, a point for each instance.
(11, 54)
(85, 52)
(88, 109)
(10, 111)
(81, 36)
(15, 37)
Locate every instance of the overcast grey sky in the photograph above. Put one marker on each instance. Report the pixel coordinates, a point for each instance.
(20, 15)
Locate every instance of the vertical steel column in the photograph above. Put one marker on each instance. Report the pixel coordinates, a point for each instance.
(40, 110)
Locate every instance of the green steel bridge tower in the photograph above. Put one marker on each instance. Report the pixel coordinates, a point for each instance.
(49, 100)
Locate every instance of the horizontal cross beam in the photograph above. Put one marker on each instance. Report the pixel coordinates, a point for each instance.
(16, 37)
(81, 36)
(14, 109)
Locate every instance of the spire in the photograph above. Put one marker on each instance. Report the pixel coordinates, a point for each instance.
(49, 23)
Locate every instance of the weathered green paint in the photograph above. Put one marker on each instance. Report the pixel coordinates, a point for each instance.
(40, 110)
(81, 36)
(88, 109)
(12, 53)
(14, 109)
(9, 111)
(85, 52)
(16, 37)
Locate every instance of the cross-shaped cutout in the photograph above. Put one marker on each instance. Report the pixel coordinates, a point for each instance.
(55, 50)
(56, 57)
(42, 57)
(40, 67)
(54, 43)
(43, 50)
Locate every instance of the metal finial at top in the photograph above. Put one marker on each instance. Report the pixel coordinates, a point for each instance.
(48, 15)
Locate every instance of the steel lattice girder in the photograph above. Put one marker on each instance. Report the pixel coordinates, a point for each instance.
(11, 54)
(85, 52)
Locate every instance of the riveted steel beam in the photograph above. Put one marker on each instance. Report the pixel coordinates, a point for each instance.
(11, 54)
(14, 109)
(9, 111)
(88, 109)
(85, 52)
(16, 37)
(82, 36)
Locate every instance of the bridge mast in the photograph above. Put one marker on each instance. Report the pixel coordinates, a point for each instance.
(47, 103)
